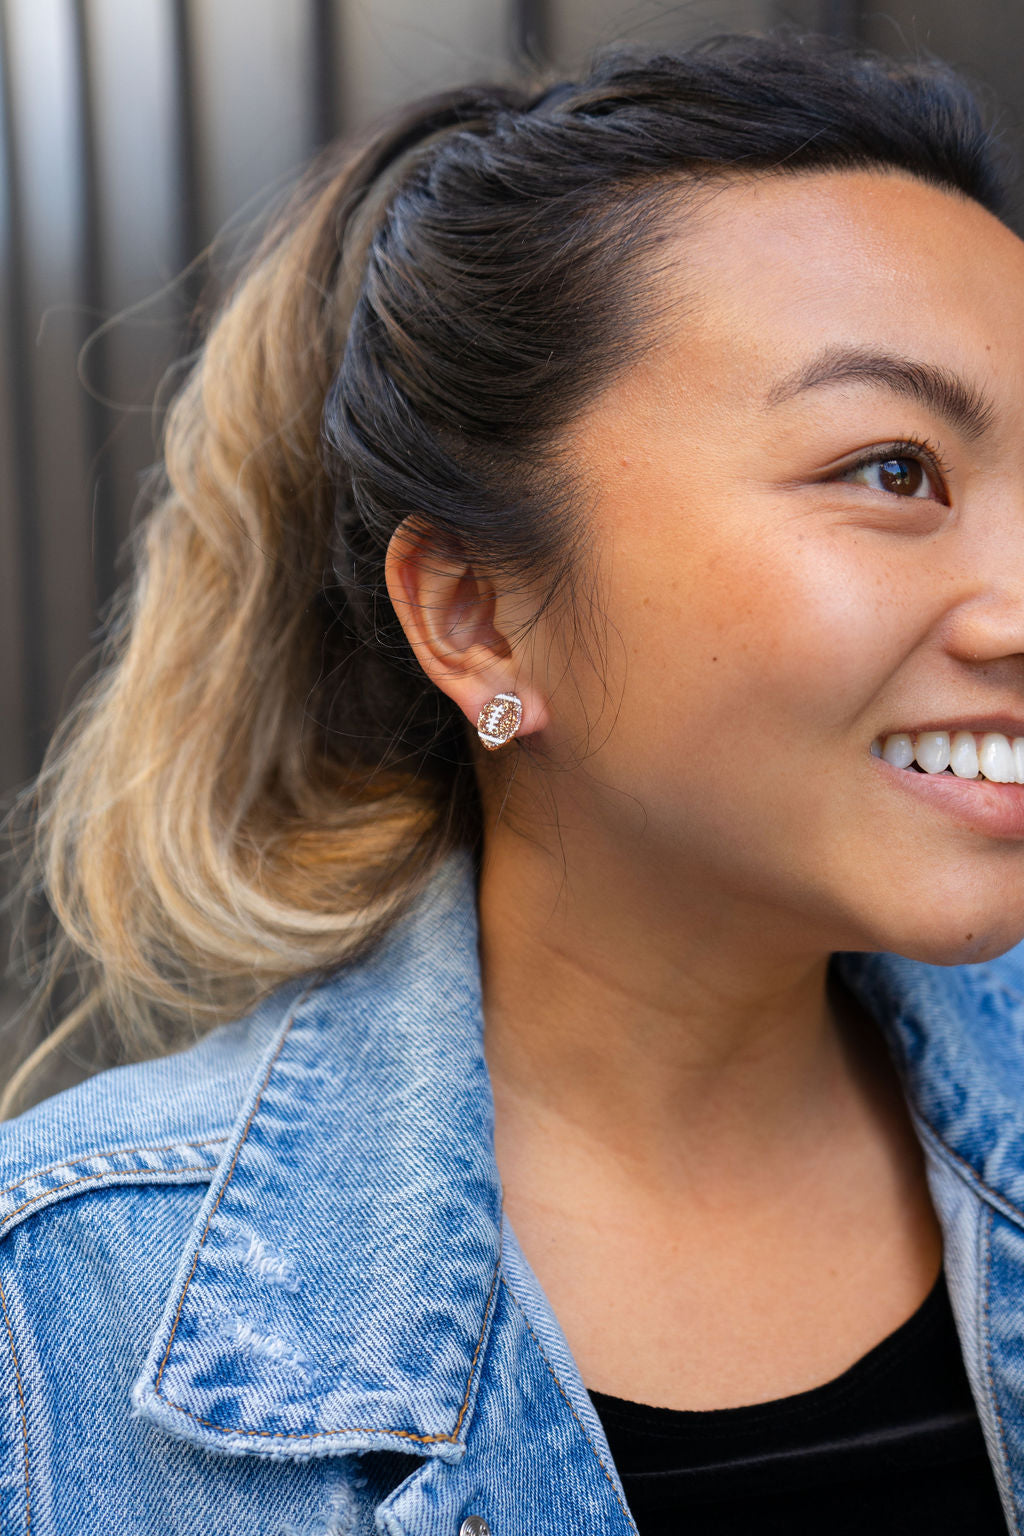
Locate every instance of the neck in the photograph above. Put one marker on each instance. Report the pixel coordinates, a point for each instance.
(692, 1132)
(646, 1019)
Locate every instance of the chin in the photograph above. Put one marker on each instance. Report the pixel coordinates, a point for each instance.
(961, 939)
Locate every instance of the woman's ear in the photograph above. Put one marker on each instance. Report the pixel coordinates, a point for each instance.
(458, 626)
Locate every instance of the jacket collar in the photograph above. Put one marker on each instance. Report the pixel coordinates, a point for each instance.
(957, 1037)
(338, 1286)
(339, 1281)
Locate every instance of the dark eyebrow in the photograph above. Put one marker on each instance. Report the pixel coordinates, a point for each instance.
(938, 389)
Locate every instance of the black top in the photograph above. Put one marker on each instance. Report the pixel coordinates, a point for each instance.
(892, 1447)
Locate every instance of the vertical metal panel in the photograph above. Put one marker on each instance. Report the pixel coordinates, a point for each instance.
(255, 109)
(45, 112)
(393, 50)
(323, 42)
(19, 564)
(103, 536)
(186, 175)
(134, 213)
(529, 31)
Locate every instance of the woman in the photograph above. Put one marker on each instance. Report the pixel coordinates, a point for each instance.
(595, 521)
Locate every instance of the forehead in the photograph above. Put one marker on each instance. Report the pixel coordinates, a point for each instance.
(772, 269)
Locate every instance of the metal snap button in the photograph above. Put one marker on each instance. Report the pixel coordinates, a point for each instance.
(474, 1525)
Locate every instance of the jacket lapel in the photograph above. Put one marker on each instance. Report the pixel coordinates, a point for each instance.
(338, 1286)
(957, 1037)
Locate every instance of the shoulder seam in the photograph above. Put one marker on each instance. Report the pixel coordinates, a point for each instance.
(178, 1159)
(87, 1157)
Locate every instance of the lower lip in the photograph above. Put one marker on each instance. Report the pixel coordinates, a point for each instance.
(994, 809)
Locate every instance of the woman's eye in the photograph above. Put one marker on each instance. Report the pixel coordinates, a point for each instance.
(897, 474)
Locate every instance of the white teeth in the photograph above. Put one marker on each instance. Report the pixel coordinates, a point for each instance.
(989, 755)
(1018, 759)
(995, 759)
(963, 755)
(898, 750)
(932, 751)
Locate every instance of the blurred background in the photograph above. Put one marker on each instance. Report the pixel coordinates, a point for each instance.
(131, 131)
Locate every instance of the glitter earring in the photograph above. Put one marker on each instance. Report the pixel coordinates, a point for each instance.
(499, 720)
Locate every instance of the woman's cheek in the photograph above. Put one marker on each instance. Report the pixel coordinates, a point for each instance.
(809, 630)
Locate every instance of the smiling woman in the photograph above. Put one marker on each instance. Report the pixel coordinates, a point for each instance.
(570, 704)
(847, 517)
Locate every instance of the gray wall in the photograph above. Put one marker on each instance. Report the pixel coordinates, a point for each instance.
(131, 130)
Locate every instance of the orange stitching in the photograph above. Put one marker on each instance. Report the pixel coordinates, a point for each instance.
(988, 1355)
(21, 1404)
(975, 1175)
(275, 1434)
(69, 1162)
(479, 1343)
(572, 1410)
(91, 1178)
(353, 1429)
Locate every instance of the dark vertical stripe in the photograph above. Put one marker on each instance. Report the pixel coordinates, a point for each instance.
(325, 109)
(95, 359)
(23, 476)
(187, 165)
(528, 24)
(840, 18)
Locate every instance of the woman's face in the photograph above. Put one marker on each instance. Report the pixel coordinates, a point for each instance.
(809, 519)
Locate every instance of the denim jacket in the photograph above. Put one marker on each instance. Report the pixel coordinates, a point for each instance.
(264, 1288)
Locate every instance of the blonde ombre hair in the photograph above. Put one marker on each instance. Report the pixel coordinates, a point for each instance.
(194, 839)
(261, 775)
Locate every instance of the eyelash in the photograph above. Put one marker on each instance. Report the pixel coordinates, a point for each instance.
(920, 448)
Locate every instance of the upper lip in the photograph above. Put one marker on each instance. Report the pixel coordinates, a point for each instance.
(979, 725)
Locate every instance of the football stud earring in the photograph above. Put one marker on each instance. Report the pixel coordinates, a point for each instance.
(499, 720)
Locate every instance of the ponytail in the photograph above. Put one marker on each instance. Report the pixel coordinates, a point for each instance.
(203, 832)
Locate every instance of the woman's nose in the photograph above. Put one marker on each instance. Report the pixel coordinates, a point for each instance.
(988, 624)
